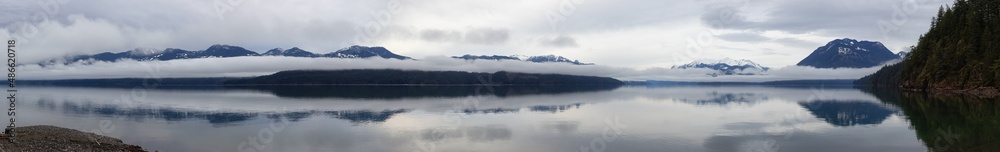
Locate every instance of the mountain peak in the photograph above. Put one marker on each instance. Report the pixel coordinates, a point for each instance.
(293, 52)
(357, 51)
(849, 53)
(358, 47)
(555, 58)
(536, 59)
(853, 42)
(274, 52)
(144, 51)
(727, 61)
(223, 47)
(487, 57)
(844, 40)
(726, 66)
(220, 50)
(220, 47)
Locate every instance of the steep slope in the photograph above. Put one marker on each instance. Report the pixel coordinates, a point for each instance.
(961, 51)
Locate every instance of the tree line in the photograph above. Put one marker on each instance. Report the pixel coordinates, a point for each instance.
(410, 77)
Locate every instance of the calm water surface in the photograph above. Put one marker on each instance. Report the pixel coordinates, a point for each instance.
(506, 119)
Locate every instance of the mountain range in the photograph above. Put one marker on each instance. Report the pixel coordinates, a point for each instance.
(849, 53)
(726, 66)
(224, 51)
(536, 59)
(839, 53)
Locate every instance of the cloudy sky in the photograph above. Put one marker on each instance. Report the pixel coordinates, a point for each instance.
(637, 34)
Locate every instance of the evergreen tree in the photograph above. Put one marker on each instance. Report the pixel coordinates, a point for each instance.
(960, 51)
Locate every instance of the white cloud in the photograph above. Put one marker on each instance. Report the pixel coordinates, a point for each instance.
(264, 65)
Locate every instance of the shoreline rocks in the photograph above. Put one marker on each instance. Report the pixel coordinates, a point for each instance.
(51, 138)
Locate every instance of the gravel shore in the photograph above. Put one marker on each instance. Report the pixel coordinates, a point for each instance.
(51, 138)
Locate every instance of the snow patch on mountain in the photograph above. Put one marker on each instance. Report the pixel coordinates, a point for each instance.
(536, 59)
(850, 53)
(219, 51)
(726, 66)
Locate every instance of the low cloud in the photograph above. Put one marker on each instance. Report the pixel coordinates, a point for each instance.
(80, 35)
(264, 65)
(631, 33)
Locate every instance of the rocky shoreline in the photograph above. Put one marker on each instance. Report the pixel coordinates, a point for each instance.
(47, 138)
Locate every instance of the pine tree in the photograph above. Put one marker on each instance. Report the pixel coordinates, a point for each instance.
(959, 51)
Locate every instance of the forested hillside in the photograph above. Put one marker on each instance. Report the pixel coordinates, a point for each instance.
(888, 76)
(960, 51)
(404, 77)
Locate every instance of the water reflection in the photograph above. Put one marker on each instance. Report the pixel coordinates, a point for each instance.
(949, 122)
(224, 118)
(848, 113)
(725, 98)
(836, 111)
(491, 111)
(485, 133)
(690, 118)
(402, 92)
(219, 118)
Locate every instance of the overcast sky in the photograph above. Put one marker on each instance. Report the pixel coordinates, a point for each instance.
(629, 40)
(625, 33)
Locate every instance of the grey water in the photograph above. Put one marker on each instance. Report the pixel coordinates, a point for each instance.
(523, 119)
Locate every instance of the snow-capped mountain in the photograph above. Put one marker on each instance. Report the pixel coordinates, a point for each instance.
(536, 59)
(139, 54)
(294, 52)
(487, 57)
(554, 58)
(848, 53)
(224, 51)
(364, 52)
(726, 66)
(143, 52)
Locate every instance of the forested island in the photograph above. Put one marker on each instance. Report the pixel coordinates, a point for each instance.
(960, 53)
(409, 77)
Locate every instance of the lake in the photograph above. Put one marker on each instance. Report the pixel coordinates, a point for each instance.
(508, 119)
